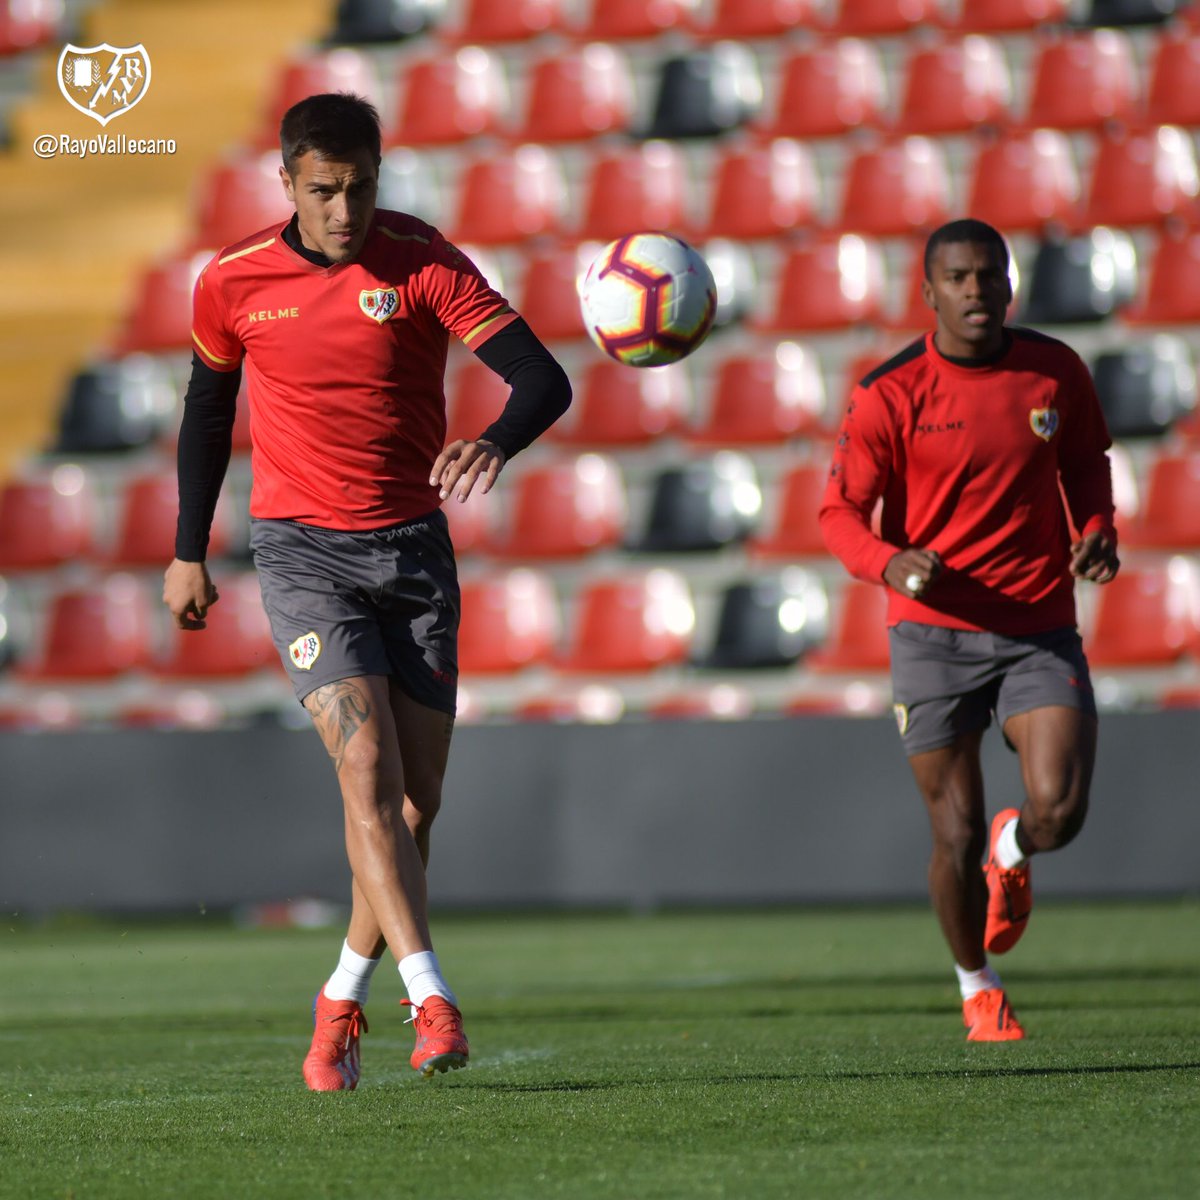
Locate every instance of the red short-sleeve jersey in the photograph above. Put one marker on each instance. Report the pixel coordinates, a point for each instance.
(345, 366)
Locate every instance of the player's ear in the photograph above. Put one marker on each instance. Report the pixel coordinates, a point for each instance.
(928, 293)
(288, 189)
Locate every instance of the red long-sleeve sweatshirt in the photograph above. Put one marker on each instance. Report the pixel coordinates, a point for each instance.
(974, 462)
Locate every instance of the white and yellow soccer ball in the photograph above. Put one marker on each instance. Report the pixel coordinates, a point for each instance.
(648, 299)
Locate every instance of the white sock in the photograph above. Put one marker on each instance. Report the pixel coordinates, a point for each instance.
(971, 983)
(352, 978)
(423, 978)
(1008, 853)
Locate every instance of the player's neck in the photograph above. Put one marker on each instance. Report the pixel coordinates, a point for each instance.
(291, 235)
(987, 359)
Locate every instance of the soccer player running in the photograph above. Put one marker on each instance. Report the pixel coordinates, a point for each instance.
(968, 435)
(343, 316)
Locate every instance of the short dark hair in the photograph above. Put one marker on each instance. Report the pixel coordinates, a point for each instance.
(966, 230)
(333, 124)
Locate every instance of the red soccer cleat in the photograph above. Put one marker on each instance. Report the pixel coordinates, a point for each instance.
(441, 1042)
(1010, 894)
(332, 1061)
(989, 1019)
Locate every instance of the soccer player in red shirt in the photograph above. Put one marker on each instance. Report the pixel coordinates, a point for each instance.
(972, 436)
(342, 317)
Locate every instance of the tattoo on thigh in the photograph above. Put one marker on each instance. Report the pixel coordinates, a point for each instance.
(338, 711)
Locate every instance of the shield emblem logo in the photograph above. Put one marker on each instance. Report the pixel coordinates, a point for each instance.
(1044, 422)
(305, 651)
(379, 304)
(103, 81)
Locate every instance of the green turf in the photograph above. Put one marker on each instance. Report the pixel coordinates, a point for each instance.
(783, 1054)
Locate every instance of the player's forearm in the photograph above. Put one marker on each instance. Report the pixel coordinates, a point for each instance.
(848, 536)
(1089, 498)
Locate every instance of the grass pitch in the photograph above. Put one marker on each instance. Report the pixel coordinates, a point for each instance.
(743, 1054)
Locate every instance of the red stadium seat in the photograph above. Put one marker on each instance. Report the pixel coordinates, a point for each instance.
(238, 197)
(29, 23)
(506, 199)
(616, 20)
(795, 531)
(643, 187)
(46, 521)
(899, 188)
(871, 18)
(147, 512)
(95, 632)
(447, 98)
(236, 642)
(577, 95)
(1169, 517)
(160, 319)
(470, 521)
(859, 641)
(484, 22)
(1171, 291)
(829, 284)
(763, 398)
(549, 294)
(829, 90)
(632, 623)
(1026, 181)
(763, 191)
(339, 70)
(616, 406)
(564, 509)
(1007, 16)
(954, 87)
(1173, 93)
(740, 19)
(476, 397)
(1084, 81)
(1146, 617)
(1143, 177)
(509, 621)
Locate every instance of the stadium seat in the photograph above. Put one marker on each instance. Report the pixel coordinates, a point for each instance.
(911, 314)
(829, 90)
(794, 531)
(14, 626)
(872, 18)
(122, 404)
(239, 196)
(704, 702)
(705, 92)
(631, 623)
(409, 183)
(770, 621)
(160, 318)
(618, 20)
(486, 23)
(46, 520)
(859, 640)
(1143, 177)
(614, 406)
(475, 398)
(1130, 12)
(94, 632)
(1146, 617)
(190, 708)
(506, 199)
(564, 509)
(577, 95)
(549, 291)
(1026, 181)
(509, 621)
(444, 99)
(764, 398)
(29, 23)
(827, 284)
(337, 70)
(147, 509)
(1007, 16)
(236, 642)
(641, 187)
(1169, 517)
(1084, 81)
(899, 188)
(1081, 279)
(954, 87)
(1173, 93)
(744, 19)
(470, 522)
(1171, 293)
(359, 22)
(1146, 387)
(701, 506)
(736, 276)
(763, 190)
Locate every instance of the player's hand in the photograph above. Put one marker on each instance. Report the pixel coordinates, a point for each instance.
(463, 464)
(1094, 557)
(189, 593)
(912, 572)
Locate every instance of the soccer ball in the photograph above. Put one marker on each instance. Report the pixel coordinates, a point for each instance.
(648, 299)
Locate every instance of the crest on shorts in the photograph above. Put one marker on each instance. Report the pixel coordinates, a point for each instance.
(103, 81)
(1044, 422)
(380, 304)
(901, 712)
(305, 651)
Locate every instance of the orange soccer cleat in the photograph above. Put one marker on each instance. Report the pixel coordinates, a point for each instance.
(332, 1061)
(1010, 894)
(988, 1018)
(441, 1042)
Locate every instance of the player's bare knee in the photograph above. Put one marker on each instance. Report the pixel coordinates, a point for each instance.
(1056, 820)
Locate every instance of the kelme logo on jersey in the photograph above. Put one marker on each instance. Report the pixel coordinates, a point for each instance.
(380, 304)
(1044, 422)
(305, 651)
(103, 81)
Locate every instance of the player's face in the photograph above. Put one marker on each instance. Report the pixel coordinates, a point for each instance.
(970, 291)
(335, 201)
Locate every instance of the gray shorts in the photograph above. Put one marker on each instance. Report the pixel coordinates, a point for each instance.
(376, 602)
(947, 682)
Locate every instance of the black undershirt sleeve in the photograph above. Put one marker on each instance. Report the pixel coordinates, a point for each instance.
(205, 444)
(541, 391)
